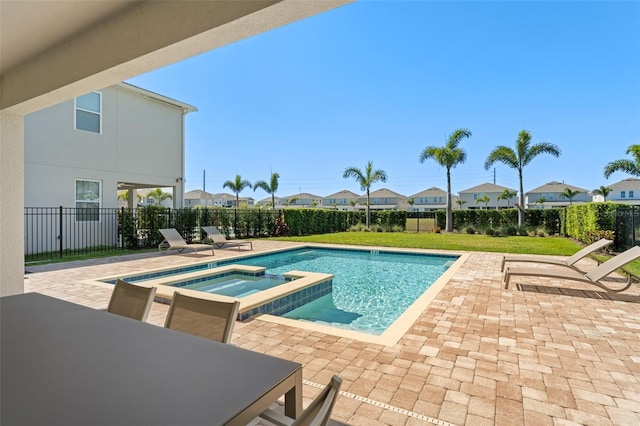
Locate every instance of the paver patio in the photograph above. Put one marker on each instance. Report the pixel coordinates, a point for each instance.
(543, 352)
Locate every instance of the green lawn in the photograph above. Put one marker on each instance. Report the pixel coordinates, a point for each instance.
(558, 246)
(526, 245)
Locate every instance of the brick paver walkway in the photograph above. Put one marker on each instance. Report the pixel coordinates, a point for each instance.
(541, 353)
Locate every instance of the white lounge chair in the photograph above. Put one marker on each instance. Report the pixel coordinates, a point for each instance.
(594, 276)
(569, 261)
(219, 240)
(174, 241)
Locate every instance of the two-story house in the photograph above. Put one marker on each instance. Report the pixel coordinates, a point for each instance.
(486, 196)
(627, 191)
(550, 195)
(429, 200)
(342, 200)
(79, 153)
(303, 199)
(383, 199)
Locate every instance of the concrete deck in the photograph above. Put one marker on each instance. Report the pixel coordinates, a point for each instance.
(544, 352)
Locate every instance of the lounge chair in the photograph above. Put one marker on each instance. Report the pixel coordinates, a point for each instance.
(130, 300)
(174, 241)
(592, 277)
(211, 319)
(219, 240)
(569, 261)
(317, 413)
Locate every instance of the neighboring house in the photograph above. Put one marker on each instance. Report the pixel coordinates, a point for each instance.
(81, 152)
(627, 191)
(429, 200)
(198, 198)
(550, 193)
(266, 202)
(342, 200)
(303, 199)
(472, 195)
(383, 199)
(229, 200)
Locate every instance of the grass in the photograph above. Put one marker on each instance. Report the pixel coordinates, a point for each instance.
(556, 246)
(526, 245)
(70, 257)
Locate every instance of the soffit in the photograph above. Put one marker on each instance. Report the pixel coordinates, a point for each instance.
(31, 28)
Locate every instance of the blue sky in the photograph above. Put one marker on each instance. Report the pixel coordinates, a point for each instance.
(382, 80)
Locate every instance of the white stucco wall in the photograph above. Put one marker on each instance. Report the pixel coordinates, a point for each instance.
(141, 142)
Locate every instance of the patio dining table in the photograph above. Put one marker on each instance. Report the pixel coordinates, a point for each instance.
(66, 364)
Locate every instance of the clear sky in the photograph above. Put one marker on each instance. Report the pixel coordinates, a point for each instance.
(382, 80)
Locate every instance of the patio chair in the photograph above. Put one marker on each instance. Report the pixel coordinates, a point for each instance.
(316, 414)
(211, 319)
(219, 240)
(174, 241)
(130, 300)
(569, 261)
(594, 276)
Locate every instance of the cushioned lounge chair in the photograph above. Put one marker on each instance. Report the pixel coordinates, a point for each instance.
(174, 241)
(594, 276)
(219, 240)
(317, 413)
(569, 261)
(130, 300)
(211, 319)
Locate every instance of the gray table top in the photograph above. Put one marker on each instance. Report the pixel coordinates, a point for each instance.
(66, 364)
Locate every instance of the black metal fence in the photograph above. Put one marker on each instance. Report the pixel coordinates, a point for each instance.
(627, 232)
(53, 232)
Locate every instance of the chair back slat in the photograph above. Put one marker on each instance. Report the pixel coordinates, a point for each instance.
(130, 300)
(211, 319)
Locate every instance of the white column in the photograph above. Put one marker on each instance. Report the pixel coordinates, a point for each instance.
(11, 203)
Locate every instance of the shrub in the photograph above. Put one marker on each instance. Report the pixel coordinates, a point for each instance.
(522, 231)
(489, 231)
(470, 230)
(540, 233)
(358, 227)
(397, 228)
(436, 229)
(510, 231)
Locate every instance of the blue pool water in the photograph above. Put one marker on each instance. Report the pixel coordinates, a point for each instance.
(371, 289)
(235, 285)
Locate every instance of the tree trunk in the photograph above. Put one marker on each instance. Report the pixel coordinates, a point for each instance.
(449, 222)
(521, 206)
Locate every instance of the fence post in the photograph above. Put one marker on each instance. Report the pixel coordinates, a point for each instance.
(633, 226)
(60, 237)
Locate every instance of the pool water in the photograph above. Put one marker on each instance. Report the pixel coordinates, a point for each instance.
(371, 288)
(234, 285)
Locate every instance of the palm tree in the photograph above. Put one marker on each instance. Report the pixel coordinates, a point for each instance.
(366, 179)
(627, 166)
(520, 157)
(484, 199)
(411, 201)
(568, 193)
(460, 203)
(507, 194)
(541, 201)
(353, 203)
(291, 200)
(159, 195)
(236, 186)
(269, 188)
(448, 156)
(603, 190)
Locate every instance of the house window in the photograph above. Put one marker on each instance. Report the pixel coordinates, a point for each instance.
(475, 197)
(89, 112)
(630, 194)
(88, 193)
(623, 194)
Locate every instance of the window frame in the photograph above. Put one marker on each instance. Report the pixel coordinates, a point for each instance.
(76, 108)
(76, 200)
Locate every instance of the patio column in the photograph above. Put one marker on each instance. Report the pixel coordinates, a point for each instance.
(11, 203)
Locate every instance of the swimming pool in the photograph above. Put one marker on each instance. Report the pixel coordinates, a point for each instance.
(370, 288)
(236, 284)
